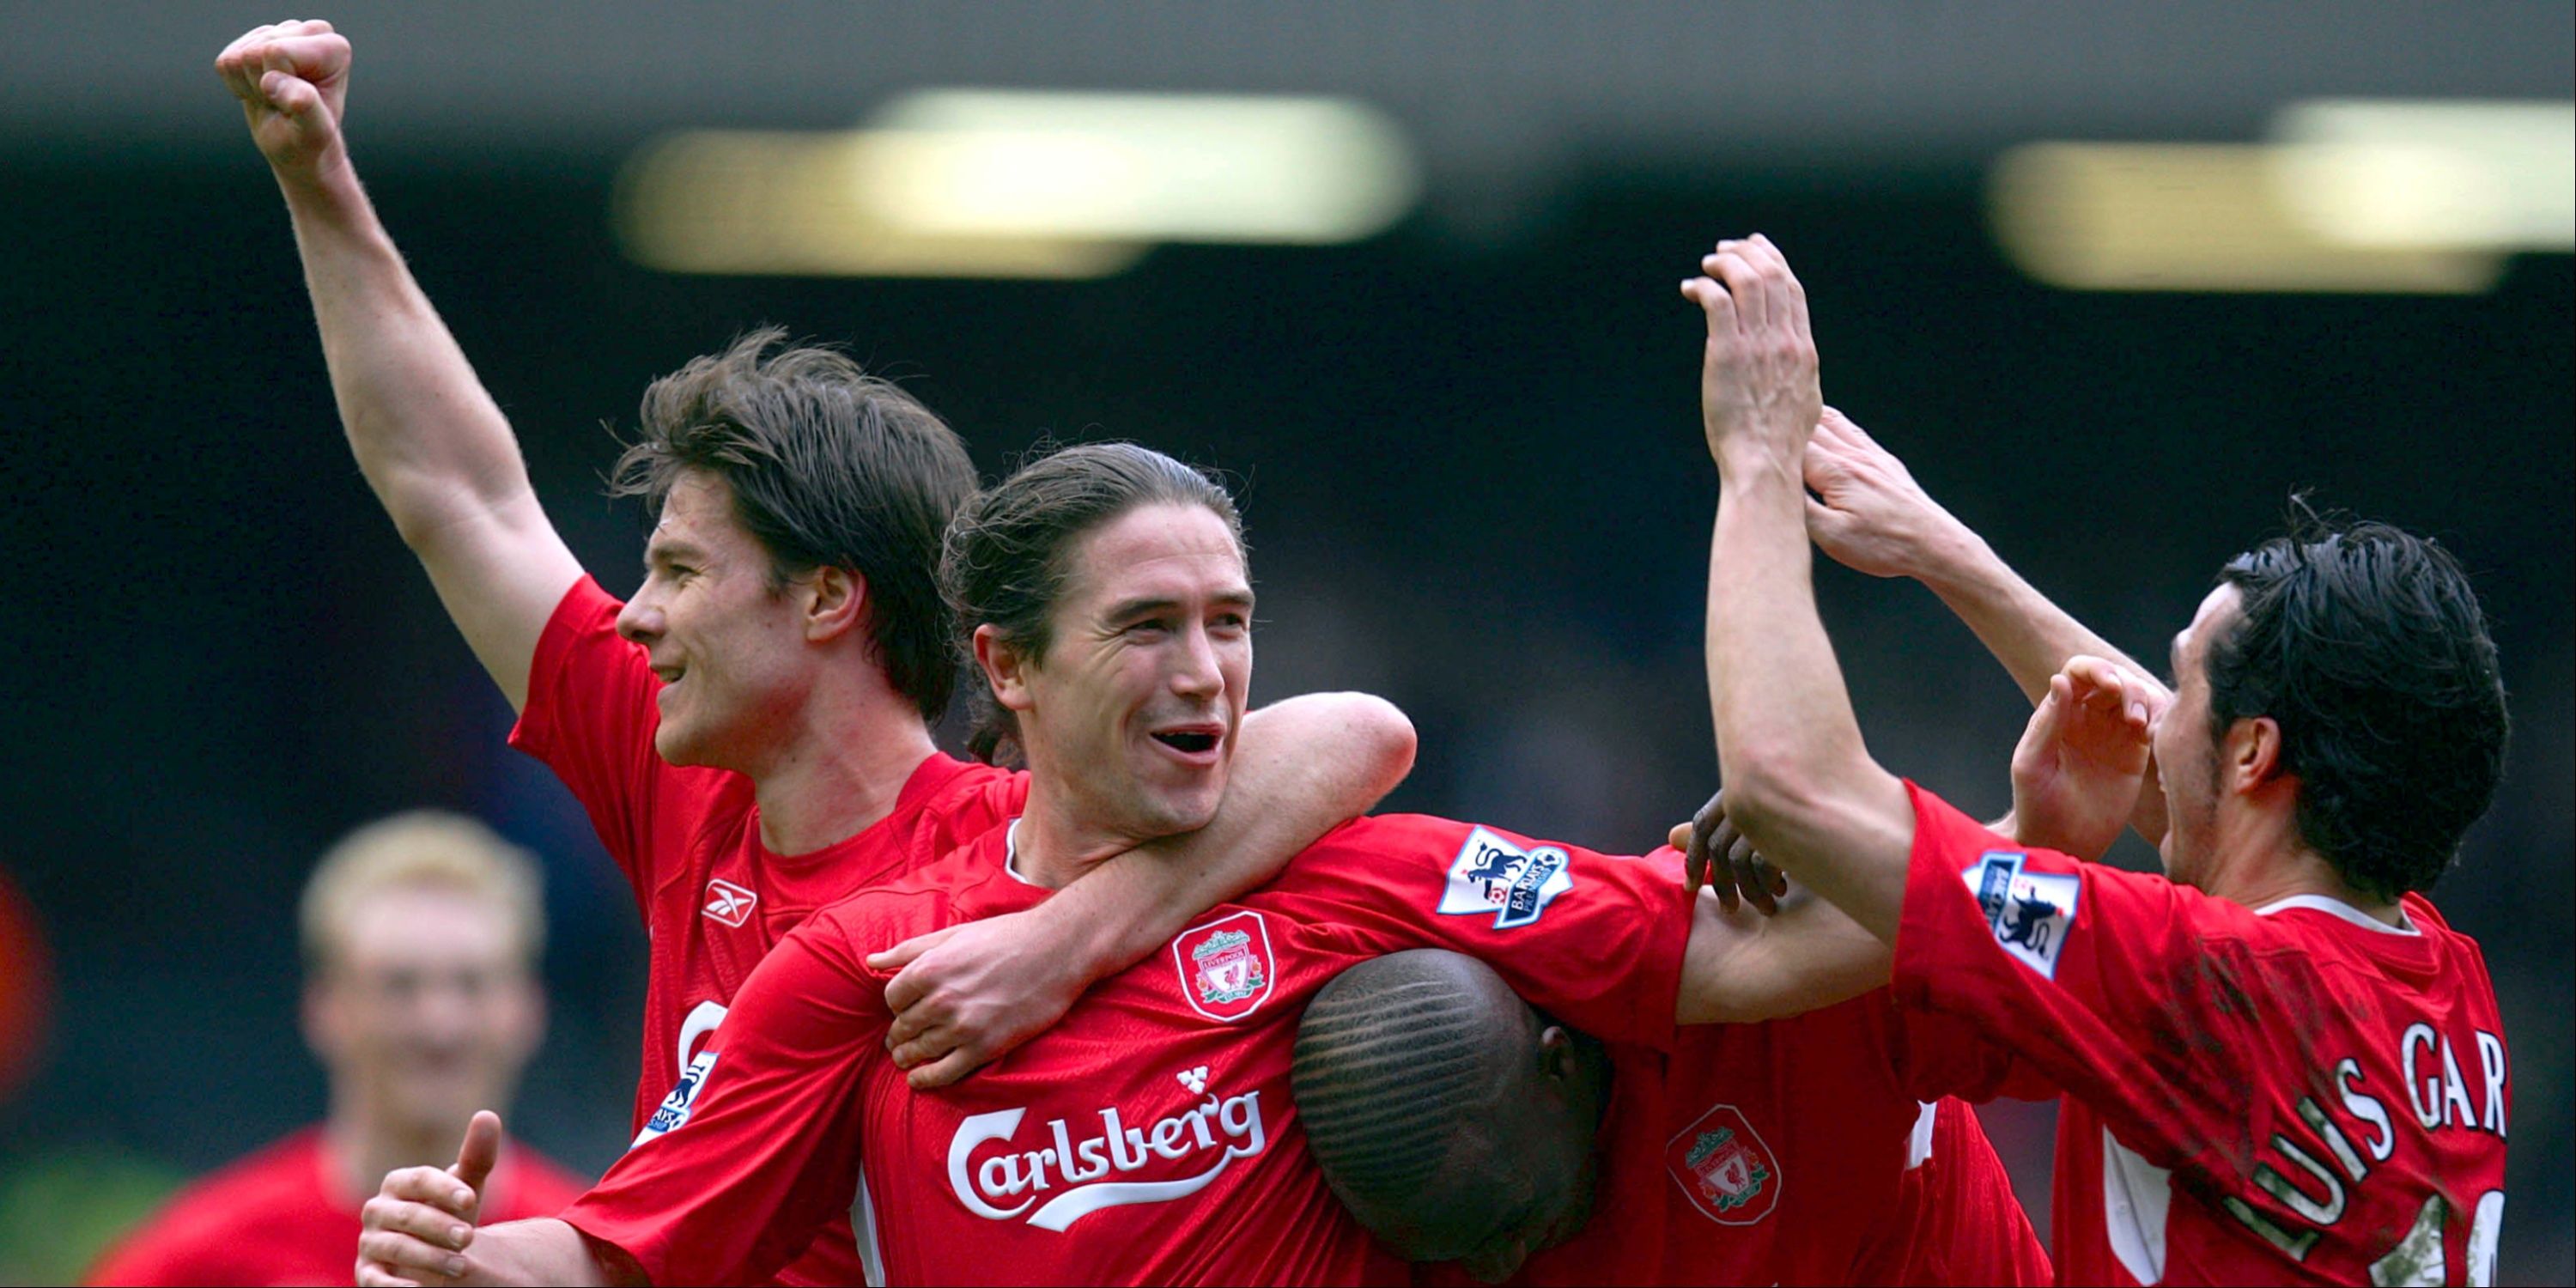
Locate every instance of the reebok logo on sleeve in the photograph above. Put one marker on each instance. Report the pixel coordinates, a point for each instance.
(2031, 913)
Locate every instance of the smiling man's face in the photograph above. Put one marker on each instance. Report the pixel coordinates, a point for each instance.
(1134, 707)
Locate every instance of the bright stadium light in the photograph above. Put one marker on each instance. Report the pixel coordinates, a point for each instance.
(956, 183)
(2191, 217)
(2431, 175)
(709, 201)
(1159, 167)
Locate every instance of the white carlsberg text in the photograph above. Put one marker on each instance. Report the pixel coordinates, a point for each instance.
(1074, 1173)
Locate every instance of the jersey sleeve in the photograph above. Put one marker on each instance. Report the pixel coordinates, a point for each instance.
(1594, 939)
(590, 717)
(759, 1145)
(2112, 986)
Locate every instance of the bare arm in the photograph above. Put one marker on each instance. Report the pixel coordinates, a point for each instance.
(1870, 514)
(429, 440)
(1778, 952)
(1799, 782)
(1301, 768)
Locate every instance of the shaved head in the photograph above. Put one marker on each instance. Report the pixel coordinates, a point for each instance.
(1454, 1120)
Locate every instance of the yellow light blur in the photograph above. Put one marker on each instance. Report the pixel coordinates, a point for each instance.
(1162, 167)
(2190, 217)
(2431, 175)
(710, 201)
(957, 183)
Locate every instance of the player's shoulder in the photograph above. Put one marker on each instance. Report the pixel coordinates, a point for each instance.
(282, 1180)
(925, 898)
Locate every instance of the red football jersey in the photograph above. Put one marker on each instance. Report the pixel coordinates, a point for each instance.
(1793, 1151)
(715, 900)
(1149, 1136)
(2288, 1094)
(280, 1216)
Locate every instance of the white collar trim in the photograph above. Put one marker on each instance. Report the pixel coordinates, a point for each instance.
(2338, 908)
(1011, 854)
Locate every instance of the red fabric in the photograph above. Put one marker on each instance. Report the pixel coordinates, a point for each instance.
(279, 1217)
(1187, 1052)
(714, 899)
(2253, 1069)
(1778, 1153)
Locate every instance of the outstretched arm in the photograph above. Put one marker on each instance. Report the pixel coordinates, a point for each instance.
(1870, 515)
(430, 441)
(1301, 768)
(1799, 782)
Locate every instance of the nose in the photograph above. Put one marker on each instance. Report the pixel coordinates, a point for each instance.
(641, 619)
(1195, 672)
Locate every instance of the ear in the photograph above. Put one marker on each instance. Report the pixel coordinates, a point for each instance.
(1004, 668)
(1556, 1055)
(2253, 753)
(834, 601)
(325, 1028)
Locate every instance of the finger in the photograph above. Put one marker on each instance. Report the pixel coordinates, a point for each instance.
(287, 94)
(481, 1149)
(1744, 284)
(371, 1276)
(923, 1050)
(1772, 879)
(306, 57)
(1793, 293)
(418, 1221)
(955, 1065)
(1679, 837)
(914, 1024)
(910, 950)
(1715, 302)
(404, 1255)
(1740, 860)
(430, 1186)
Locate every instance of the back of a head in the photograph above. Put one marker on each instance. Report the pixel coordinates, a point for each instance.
(827, 466)
(1413, 1076)
(2366, 644)
(420, 848)
(1008, 553)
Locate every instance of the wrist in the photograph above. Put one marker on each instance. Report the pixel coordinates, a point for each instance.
(1752, 464)
(1954, 562)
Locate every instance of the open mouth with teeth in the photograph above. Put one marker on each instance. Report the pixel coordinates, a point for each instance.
(1189, 742)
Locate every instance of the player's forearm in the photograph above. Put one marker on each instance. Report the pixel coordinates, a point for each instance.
(429, 440)
(1743, 967)
(542, 1251)
(2030, 635)
(1301, 768)
(1799, 781)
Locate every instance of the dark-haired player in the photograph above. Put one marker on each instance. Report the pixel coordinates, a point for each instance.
(2278, 1063)
(750, 733)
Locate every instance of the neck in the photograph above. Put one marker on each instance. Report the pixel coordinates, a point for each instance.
(1054, 845)
(2268, 862)
(361, 1148)
(846, 759)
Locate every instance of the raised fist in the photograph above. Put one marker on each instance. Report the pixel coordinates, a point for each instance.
(293, 82)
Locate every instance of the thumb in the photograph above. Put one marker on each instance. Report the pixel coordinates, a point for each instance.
(481, 1150)
(290, 95)
(910, 950)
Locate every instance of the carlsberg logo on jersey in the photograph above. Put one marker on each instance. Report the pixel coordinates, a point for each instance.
(2032, 913)
(1078, 1168)
(1493, 875)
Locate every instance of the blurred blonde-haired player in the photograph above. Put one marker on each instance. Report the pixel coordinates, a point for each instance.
(421, 935)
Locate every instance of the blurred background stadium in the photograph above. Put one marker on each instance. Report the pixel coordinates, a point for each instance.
(1454, 382)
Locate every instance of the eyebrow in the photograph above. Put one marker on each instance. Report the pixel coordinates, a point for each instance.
(1145, 606)
(666, 549)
